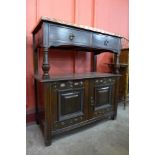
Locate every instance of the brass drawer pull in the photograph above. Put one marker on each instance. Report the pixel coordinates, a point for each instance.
(71, 36)
(106, 42)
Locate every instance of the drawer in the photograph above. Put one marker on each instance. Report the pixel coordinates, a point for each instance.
(61, 36)
(105, 42)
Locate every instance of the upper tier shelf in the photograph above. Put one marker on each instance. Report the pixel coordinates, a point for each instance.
(53, 33)
(76, 76)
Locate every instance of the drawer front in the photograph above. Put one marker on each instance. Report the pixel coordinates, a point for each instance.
(61, 35)
(106, 42)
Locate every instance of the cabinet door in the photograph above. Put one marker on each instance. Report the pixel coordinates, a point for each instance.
(69, 103)
(101, 96)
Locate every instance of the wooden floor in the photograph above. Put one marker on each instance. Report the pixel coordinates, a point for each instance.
(103, 138)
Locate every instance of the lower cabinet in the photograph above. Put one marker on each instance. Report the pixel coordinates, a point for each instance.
(74, 103)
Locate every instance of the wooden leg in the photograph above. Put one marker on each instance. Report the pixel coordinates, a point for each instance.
(45, 65)
(36, 102)
(126, 89)
(48, 115)
(124, 102)
(48, 142)
(37, 120)
(47, 136)
(113, 117)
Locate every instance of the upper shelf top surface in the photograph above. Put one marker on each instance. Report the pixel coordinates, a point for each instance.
(53, 20)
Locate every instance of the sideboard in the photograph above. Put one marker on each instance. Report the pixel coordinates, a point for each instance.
(66, 102)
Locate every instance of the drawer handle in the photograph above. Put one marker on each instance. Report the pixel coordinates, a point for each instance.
(71, 96)
(105, 88)
(106, 42)
(103, 91)
(71, 36)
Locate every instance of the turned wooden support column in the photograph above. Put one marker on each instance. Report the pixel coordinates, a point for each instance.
(45, 65)
(116, 71)
(94, 63)
(117, 65)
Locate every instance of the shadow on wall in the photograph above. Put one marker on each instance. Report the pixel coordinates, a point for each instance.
(102, 62)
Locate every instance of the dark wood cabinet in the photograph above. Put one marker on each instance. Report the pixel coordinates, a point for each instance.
(67, 102)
